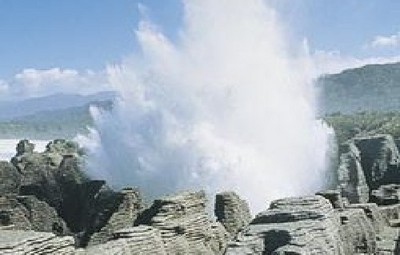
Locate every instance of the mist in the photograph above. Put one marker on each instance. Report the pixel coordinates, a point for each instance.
(229, 105)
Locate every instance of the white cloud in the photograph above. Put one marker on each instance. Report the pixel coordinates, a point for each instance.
(381, 41)
(330, 62)
(3, 86)
(34, 82)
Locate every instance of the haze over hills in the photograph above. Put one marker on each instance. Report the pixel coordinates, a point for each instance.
(10, 110)
(372, 88)
(50, 117)
(369, 88)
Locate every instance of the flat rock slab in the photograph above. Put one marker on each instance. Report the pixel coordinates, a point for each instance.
(16, 242)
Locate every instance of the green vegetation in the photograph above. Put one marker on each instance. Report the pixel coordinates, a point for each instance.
(369, 88)
(347, 126)
(362, 101)
(50, 125)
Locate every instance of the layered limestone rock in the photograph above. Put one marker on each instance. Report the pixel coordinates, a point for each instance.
(373, 214)
(303, 225)
(49, 192)
(13, 215)
(352, 182)
(232, 211)
(14, 242)
(87, 207)
(10, 178)
(43, 218)
(27, 212)
(386, 194)
(379, 159)
(388, 241)
(357, 232)
(390, 212)
(124, 216)
(46, 175)
(134, 240)
(183, 223)
(220, 238)
(335, 197)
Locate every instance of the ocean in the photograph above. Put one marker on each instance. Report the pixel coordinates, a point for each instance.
(8, 147)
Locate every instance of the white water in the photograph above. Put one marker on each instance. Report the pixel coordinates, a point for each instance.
(223, 108)
(8, 147)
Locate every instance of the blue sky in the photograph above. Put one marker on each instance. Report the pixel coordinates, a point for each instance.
(76, 34)
(89, 34)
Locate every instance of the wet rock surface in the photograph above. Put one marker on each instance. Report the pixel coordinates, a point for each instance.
(49, 206)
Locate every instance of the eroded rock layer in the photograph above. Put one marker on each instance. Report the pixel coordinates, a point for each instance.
(17, 242)
(49, 206)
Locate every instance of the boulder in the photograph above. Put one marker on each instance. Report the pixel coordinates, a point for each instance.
(63, 147)
(232, 212)
(24, 146)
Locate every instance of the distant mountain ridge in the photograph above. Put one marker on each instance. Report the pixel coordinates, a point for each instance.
(10, 110)
(52, 124)
(369, 88)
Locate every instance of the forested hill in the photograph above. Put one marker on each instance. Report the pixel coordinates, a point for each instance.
(369, 88)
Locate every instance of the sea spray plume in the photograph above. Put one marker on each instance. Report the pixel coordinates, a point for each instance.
(223, 108)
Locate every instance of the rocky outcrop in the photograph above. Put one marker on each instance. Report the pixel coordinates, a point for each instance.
(334, 197)
(53, 183)
(373, 214)
(14, 242)
(232, 211)
(46, 175)
(184, 224)
(390, 212)
(49, 192)
(27, 212)
(386, 195)
(388, 241)
(10, 178)
(220, 238)
(134, 240)
(357, 232)
(379, 159)
(303, 225)
(352, 182)
(13, 215)
(129, 206)
(42, 217)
